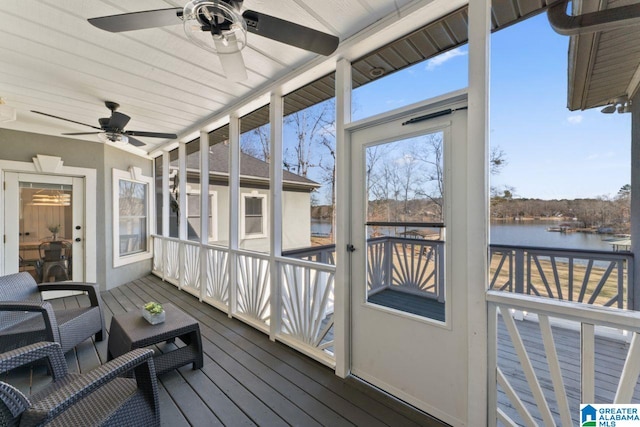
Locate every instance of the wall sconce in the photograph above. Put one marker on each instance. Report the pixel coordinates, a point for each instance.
(7, 114)
(621, 105)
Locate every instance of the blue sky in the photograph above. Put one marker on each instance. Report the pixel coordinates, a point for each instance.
(551, 152)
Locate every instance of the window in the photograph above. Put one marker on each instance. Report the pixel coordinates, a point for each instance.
(254, 220)
(131, 219)
(193, 216)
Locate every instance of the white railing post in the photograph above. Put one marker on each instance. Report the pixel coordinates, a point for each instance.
(492, 360)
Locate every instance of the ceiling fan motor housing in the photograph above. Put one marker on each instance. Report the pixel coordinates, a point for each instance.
(216, 26)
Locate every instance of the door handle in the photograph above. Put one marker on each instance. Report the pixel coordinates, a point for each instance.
(78, 239)
(351, 248)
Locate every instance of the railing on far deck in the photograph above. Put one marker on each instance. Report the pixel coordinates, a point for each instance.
(592, 277)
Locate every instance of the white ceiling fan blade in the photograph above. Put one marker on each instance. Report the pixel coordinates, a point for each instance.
(231, 58)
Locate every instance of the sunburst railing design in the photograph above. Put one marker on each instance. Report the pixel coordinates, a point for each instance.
(172, 259)
(253, 287)
(307, 304)
(158, 256)
(191, 270)
(217, 276)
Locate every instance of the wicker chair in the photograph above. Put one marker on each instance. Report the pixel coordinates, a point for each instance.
(25, 318)
(101, 397)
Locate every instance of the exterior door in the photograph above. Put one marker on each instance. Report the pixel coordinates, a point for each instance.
(408, 331)
(44, 226)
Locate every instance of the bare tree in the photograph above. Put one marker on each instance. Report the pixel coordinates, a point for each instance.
(256, 142)
(312, 126)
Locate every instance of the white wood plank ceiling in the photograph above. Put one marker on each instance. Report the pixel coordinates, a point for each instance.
(52, 60)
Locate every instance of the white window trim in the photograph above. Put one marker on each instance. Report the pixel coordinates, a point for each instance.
(243, 234)
(133, 174)
(213, 210)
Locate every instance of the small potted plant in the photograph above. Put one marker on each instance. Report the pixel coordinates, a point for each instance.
(55, 229)
(153, 312)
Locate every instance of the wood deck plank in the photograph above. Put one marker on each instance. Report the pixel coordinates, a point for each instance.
(367, 411)
(247, 379)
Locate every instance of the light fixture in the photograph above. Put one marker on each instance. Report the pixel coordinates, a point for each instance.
(7, 114)
(54, 198)
(621, 105)
(116, 138)
(376, 72)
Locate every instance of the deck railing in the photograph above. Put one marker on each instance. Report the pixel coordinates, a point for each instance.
(546, 367)
(591, 277)
(296, 307)
(406, 264)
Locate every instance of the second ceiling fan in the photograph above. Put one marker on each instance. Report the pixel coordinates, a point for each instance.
(221, 26)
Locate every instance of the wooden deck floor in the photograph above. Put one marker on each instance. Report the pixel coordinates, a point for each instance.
(246, 379)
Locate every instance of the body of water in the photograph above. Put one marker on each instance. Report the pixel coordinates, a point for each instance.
(534, 233)
(525, 233)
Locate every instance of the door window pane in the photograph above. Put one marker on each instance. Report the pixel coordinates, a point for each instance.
(405, 225)
(46, 215)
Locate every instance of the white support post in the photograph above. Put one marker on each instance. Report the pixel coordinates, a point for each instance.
(166, 209)
(634, 303)
(478, 210)
(182, 202)
(234, 207)
(275, 219)
(342, 288)
(166, 194)
(204, 210)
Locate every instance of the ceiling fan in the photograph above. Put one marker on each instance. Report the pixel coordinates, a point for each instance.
(221, 27)
(112, 128)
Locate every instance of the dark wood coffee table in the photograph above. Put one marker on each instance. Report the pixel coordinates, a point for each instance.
(131, 330)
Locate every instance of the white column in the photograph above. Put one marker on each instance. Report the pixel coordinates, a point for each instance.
(635, 199)
(182, 188)
(182, 202)
(234, 207)
(478, 209)
(275, 214)
(166, 200)
(342, 284)
(204, 209)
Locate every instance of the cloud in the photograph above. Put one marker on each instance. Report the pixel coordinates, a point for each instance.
(432, 64)
(574, 120)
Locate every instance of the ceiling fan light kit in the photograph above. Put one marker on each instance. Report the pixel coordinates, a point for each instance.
(214, 26)
(116, 138)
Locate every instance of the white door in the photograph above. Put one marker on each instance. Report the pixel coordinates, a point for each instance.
(408, 331)
(40, 210)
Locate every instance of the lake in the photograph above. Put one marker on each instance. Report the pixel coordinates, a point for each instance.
(534, 233)
(525, 233)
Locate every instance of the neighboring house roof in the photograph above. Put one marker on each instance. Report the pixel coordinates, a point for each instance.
(252, 170)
